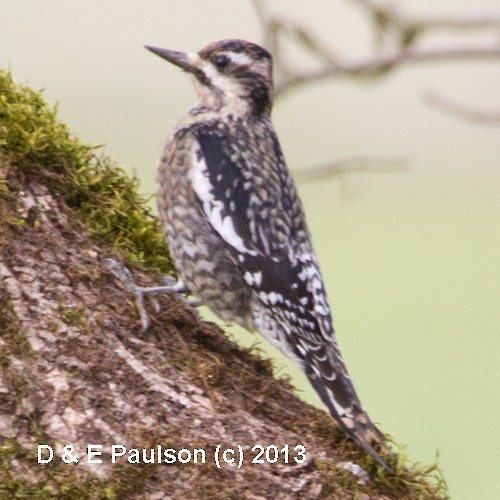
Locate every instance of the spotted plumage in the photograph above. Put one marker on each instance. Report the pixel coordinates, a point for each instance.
(235, 224)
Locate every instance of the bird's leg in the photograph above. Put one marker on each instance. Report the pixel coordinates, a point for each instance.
(171, 286)
(176, 286)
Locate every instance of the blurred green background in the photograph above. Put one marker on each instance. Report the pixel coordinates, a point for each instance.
(411, 260)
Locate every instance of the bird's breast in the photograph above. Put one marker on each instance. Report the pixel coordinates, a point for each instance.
(200, 255)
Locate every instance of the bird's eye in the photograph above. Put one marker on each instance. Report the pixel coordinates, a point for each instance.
(220, 62)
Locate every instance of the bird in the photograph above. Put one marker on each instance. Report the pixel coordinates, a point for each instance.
(235, 224)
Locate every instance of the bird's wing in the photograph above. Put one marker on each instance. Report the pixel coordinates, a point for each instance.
(264, 228)
(258, 214)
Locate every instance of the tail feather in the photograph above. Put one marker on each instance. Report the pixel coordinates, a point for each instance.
(327, 373)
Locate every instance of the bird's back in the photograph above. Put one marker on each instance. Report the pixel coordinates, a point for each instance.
(224, 191)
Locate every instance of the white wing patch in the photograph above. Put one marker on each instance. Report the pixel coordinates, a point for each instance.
(253, 279)
(212, 207)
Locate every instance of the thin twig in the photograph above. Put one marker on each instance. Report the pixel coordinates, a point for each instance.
(397, 44)
(459, 110)
(383, 63)
(350, 166)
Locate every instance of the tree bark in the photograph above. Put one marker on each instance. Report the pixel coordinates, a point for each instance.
(75, 371)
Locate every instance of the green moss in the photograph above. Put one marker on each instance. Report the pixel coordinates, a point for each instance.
(34, 141)
(4, 189)
(410, 482)
(73, 316)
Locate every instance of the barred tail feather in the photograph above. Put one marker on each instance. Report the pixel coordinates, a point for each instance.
(328, 376)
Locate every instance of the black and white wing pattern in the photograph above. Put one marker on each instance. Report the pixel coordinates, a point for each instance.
(250, 200)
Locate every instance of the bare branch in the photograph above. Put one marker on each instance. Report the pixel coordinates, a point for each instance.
(350, 166)
(397, 44)
(459, 110)
(386, 17)
(274, 28)
(397, 37)
(474, 23)
(383, 63)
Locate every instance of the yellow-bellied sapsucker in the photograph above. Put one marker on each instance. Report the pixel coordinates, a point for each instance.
(235, 224)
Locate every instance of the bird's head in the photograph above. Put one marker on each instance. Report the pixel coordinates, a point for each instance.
(230, 75)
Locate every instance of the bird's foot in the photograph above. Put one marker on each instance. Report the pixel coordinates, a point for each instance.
(178, 287)
(171, 286)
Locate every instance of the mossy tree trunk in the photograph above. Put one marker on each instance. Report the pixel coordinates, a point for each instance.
(75, 369)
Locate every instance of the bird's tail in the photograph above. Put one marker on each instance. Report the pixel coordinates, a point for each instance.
(328, 375)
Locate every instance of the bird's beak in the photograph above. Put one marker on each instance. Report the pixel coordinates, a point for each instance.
(184, 60)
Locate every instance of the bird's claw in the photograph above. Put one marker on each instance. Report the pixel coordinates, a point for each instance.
(171, 286)
(125, 276)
